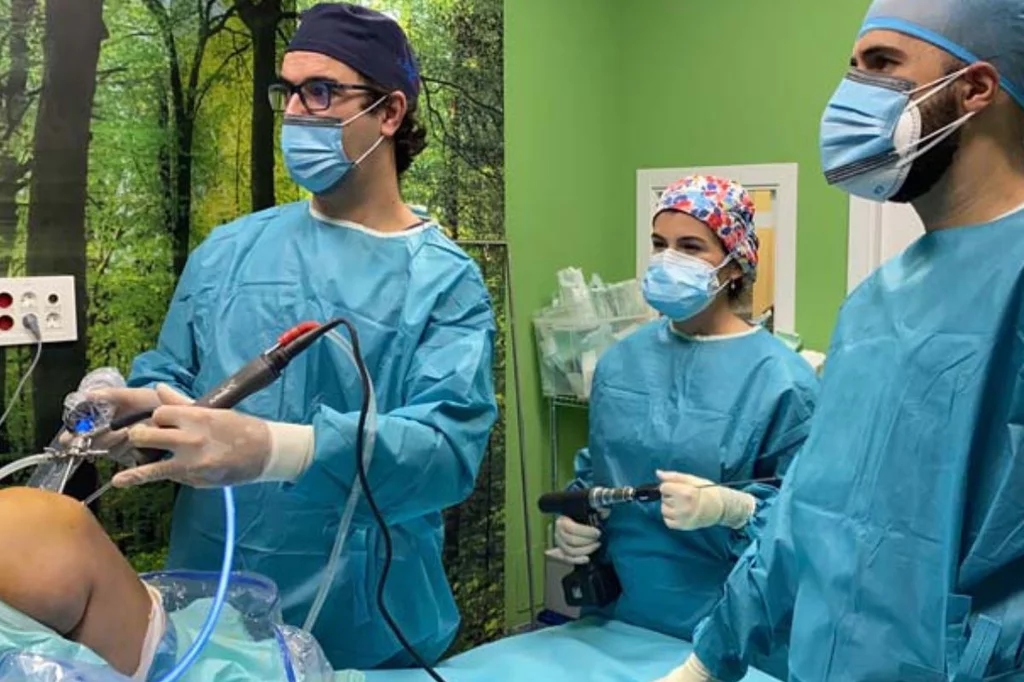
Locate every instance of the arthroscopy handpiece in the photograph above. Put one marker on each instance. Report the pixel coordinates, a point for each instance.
(580, 504)
(257, 374)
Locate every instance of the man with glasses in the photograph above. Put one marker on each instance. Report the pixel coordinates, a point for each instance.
(348, 94)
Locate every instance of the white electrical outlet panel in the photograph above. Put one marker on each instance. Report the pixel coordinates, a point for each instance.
(50, 299)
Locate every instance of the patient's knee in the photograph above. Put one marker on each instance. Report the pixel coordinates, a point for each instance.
(48, 564)
(30, 513)
(36, 525)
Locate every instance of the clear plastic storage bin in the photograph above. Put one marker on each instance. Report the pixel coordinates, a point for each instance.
(583, 322)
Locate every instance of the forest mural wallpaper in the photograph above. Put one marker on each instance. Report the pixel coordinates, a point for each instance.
(131, 128)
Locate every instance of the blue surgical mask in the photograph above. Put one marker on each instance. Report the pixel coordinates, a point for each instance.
(871, 132)
(681, 286)
(314, 152)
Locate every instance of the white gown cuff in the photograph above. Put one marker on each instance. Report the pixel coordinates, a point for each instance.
(291, 452)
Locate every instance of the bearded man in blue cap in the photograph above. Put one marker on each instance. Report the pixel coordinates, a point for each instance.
(895, 550)
(348, 92)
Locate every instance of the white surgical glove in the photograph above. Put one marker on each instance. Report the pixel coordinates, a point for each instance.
(691, 671)
(576, 540)
(125, 401)
(214, 447)
(691, 503)
(114, 444)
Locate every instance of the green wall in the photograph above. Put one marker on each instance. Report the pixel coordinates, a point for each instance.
(567, 203)
(594, 90)
(746, 81)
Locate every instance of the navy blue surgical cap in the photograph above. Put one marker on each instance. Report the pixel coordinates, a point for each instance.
(970, 30)
(368, 41)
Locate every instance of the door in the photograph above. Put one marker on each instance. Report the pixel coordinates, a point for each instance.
(878, 233)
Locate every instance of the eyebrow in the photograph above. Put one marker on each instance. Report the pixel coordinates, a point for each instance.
(880, 51)
(323, 78)
(691, 237)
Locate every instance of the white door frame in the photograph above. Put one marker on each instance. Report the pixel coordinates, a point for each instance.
(864, 247)
(878, 232)
(783, 178)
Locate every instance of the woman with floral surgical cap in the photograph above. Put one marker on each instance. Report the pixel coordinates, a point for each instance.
(697, 398)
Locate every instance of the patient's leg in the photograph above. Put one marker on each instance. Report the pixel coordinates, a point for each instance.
(58, 566)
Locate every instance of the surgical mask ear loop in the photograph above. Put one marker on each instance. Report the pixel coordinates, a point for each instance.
(722, 285)
(380, 140)
(365, 111)
(937, 136)
(936, 86)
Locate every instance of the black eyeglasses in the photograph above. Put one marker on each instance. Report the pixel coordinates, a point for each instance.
(315, 94)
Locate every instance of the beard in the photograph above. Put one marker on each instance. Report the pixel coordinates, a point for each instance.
(928, 169)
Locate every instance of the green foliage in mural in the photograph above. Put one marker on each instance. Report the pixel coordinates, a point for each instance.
(171, 157)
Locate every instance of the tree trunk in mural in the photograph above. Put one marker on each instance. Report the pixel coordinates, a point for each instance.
(181, 232)
(14, 104)
(450, 206)
(187, 90)
(56, 217)
(165, 165)
(262, 19)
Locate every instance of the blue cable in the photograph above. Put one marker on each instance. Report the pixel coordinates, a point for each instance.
(218, 600)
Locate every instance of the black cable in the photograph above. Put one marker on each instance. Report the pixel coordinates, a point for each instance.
(263, 371)
(364, 410)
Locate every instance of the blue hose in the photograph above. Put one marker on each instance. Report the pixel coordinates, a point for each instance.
(218, 600)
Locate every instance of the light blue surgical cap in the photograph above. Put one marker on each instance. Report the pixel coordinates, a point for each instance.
(970, 30)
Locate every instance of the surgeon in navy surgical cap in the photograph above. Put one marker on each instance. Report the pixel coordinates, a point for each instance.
(348, 93)
(895, 549)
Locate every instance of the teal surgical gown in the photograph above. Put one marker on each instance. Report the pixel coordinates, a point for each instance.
(426, 329)
(896, 546)
(725, 409)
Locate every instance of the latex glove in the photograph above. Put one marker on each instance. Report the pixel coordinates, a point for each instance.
(691, 503)
(125, 401)
(576, 541)
(114, 443)
(215, 448)
(691, 671)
